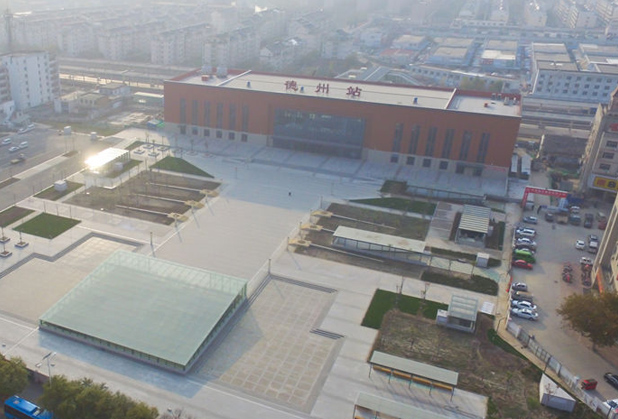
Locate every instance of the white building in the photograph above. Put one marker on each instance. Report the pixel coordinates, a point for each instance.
(535, 14)
(179, 46)
(33, 78)
(232, 49)
(576, 15)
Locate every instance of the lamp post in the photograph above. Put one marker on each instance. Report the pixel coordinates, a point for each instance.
(47, 358)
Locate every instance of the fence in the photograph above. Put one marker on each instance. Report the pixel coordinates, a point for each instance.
(571, 380)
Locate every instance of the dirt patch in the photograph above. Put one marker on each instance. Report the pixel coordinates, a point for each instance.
(13, 214)
(484, 368)
(149, 196)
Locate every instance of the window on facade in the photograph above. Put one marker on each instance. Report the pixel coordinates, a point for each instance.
(607, 155)
(416, 132)
(394, 158)
(426, 162)
(206, 133)
(219, 134)
(410, 160)
(243, 138)
(219, 115)
(604, 166)
(244, 118)
(483, 147)
(460, 168)
(397, 137)
(194, 111)
(231, 136)
(465, 145)
(194, 130)
(478, 171)
(207, 122)
(232, 119)
(431, 141)
(611, 144)
(183, 129)
(448, 143)
(183, 111)
(443, 165)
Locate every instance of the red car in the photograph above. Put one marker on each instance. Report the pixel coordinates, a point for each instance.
(522, 264)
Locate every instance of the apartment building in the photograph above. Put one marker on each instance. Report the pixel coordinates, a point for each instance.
(179, 46)
(33, 78)
(232, 48)
(535, 14)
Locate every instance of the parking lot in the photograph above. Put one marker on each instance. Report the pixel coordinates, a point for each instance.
(555, 247)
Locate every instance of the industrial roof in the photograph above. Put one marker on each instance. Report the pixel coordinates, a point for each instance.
(475, 219)
(146, 304)
(463, 307)
(552, 48)
(494, 54)
(450, 52)
(394, 409)
(415, 368)
(557, 66)
(395, 242)
(338, 89)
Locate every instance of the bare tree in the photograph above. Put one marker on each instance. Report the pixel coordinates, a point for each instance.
(176, 414)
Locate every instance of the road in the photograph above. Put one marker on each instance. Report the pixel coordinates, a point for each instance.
(44, 145)
(555, 247)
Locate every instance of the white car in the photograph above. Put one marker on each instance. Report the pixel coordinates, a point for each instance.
(523, 304)
(6, 141)
(26, 129)
(23, 144)
(13, 149)
(519, 286)
(580, 245)
(525, 242)
(585, 261)
(525, 313)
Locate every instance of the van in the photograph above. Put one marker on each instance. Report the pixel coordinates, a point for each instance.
(522, 296)
(593, 247)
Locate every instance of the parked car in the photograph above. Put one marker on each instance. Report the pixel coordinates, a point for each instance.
(524, 255)
(524, 231)
(580, 245)
(7, 141)
(519, 286)
(549, 217)
(520, 263)
(526, 242)
(593, 247)
(588, 220)
(592, 238)
(525, 313)
(585, 261)
(26, 129)
(23, 144)
(612, 379)
(523, 304)
(13, 149)
(531, 220)
(525, 247)
(602, 225)
(575, 219)
(522, 295)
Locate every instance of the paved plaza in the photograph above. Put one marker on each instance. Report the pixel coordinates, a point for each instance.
(298, 350)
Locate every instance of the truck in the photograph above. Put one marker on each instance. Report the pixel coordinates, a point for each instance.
(19, 159)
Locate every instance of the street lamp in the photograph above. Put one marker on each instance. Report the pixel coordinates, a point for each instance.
(47, 358)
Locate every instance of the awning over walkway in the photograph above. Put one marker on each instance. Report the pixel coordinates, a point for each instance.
(386, 240)
(415, 368)
(394, 409)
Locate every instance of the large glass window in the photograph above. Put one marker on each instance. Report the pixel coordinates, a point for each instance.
(397, 138)
(483, 146)
(194, 109)
(207, 121)
(319, 133)
(183, 111)
(416, 131)
(232, 120)
(431, 141)
(219, 115)
(245, 118)
(448, 143)
(465, 146)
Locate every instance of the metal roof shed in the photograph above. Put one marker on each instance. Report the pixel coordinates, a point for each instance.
(474, 225)
(415, 368)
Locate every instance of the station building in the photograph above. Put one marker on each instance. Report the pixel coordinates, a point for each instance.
(442, 129)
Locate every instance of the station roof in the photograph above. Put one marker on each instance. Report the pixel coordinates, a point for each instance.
(475, 219)
(394, 409)
(557, 66)
(338, 89)
(146, 304)
(415, 368)
(395, 242)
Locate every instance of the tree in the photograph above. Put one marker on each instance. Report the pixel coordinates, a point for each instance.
(13, 376)
(593, 316)
(176, 414)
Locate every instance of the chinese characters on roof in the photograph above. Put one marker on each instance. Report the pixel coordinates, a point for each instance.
(324, 88)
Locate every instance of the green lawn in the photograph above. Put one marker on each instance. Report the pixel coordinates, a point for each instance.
(401, 204)
(477, 283)
(175, 164)
(384, 301)
(134, 145)
(47, 225)
(53, 195)
(12, 214)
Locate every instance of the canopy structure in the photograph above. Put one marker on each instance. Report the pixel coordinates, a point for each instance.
(153, 310)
